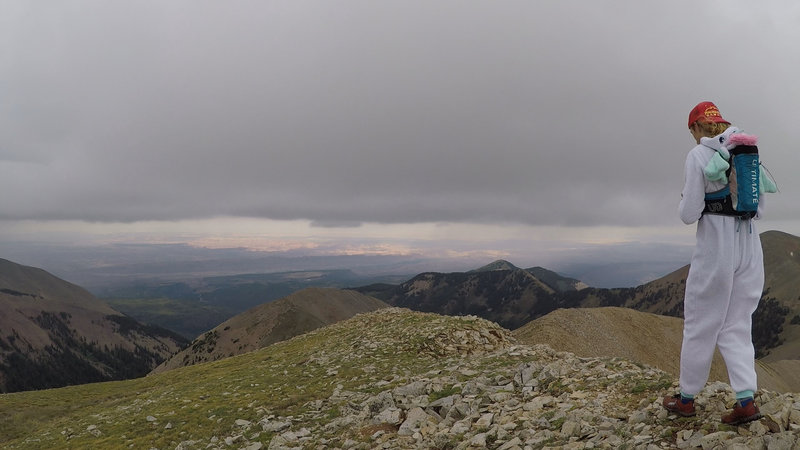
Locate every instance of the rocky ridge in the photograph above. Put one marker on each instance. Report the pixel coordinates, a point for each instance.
(483, 390)
(400, 379)
(508, 396)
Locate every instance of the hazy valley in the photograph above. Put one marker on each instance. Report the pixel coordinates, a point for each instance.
(195, 306)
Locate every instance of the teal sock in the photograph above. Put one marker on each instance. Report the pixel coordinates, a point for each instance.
(741, 395)
(686, 398)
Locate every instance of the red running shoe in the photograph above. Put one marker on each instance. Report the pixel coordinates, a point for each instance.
(676, 405)
(742, 414)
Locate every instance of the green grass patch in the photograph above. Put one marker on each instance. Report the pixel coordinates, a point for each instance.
(446, 392)
(642, 386)
(558, 423)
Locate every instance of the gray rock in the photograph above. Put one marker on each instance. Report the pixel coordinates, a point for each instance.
(413, 389)
(479, 440)
(794, 417)
(637, 417)
(461, 427)
(379, 403)
(513, 444)
(443, 405)
(274, 426)
(459, 411)
(391, 416)
(539, 403)
(526, 375)
(484, 421)
(571, 428)
(415, 419)
(781, 441)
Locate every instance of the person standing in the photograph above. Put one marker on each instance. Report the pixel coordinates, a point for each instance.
(725, 281)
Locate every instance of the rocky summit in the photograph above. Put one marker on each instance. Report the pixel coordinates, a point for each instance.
(485, 391)
(397, 379)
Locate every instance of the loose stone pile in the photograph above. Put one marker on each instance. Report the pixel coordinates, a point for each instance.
(555, 400)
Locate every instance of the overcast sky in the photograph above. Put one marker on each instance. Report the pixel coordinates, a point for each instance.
(398, 121)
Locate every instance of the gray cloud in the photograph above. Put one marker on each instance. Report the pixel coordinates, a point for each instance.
(544, 113)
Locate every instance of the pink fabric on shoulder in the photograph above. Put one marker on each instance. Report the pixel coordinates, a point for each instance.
(742, 139)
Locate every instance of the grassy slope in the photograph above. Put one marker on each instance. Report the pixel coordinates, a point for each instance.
(298, 380)
(204, 401)
(272, 322)
(230, 389)
(648, 338)
(615, 332)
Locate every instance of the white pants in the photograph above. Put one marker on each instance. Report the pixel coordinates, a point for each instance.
(724, 286)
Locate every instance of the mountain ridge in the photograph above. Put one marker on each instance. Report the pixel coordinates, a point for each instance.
(54, 333)
(499, 291)
(512, 299)
(272, 322)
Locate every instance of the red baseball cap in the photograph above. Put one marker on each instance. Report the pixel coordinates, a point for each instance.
(706, 111)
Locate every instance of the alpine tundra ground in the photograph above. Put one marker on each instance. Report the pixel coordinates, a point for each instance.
(393, 379)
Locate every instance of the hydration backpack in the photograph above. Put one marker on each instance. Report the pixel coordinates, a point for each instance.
(736, 163)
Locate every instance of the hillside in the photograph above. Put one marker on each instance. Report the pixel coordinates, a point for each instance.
(651, 339)
(499, 292)
(194, 306)
(392, 379)
(648, 338)
(53, 333)
(782, 281)
(558, 282)
(513, 297)
(776, 322)
(272, 322)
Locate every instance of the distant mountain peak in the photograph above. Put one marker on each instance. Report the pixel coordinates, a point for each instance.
(500, 264)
